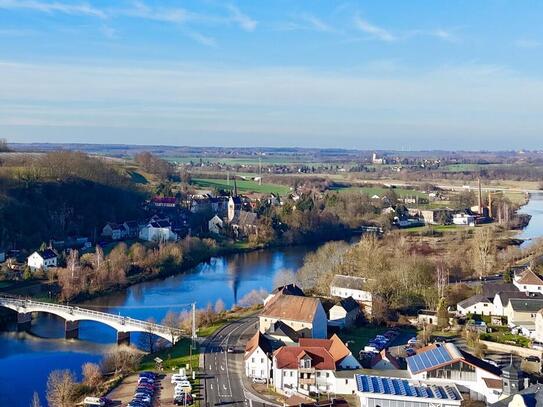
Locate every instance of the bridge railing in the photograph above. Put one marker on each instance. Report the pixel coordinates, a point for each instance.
(73, 310)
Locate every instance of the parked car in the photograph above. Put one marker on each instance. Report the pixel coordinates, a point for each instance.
(182, 400)
(533, 358)
(230, 349)
(259, 380)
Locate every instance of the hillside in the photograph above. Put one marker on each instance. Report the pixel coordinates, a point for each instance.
(59, 194)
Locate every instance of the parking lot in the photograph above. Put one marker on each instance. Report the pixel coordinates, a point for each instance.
(123, 393)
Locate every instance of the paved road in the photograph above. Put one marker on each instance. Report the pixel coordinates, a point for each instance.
(224, 370)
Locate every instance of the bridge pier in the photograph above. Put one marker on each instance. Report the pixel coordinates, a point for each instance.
(24, 321)
(71, 329)
(123, 338)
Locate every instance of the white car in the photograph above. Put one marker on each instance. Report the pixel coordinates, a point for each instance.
(176, 378)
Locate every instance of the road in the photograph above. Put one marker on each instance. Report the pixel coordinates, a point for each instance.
(224, 370)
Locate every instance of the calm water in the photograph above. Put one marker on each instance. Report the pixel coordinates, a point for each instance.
(535, 228)
(27, 359)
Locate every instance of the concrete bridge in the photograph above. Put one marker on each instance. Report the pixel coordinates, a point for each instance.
(72, 315)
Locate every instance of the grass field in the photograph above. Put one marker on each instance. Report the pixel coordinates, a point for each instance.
(243, 186)
(381, 191)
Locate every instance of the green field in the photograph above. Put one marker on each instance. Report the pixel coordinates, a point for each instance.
(381, 191)
(243, 186)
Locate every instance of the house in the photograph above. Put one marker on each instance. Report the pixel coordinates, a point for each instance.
(501, 300)
(446, 364)
(384, 361)
(216, 225)
(113, 231)
(436, 216)
(477, 304)
(43, 259)
(430, 317)
(303, 314)
(164, 202)
(463, 219)
(343, 357)
(289, 289)
(258, 355)
(522, 312)
(355, 287)
(344, 313)
(131, 228)
(244, 223)
(311, 367)
(528, 282)
(376, 391)
(281, 332)
(158, 231)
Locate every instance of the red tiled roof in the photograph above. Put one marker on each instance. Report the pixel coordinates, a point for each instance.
(334, 346)
(292, 308)
(288, 357)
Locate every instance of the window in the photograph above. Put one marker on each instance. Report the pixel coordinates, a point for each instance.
(327, 374)
(291, 374)
(253, 360)
(285, 374)
(318, 374)
(261, 360)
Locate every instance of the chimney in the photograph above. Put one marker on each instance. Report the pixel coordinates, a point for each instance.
(480, 197)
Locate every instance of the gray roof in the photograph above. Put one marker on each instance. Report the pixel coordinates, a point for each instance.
(349, 304)
(526, 304)
(533, 397)
(468, 302)
(490, 290)
(353, 283)
(506, 296)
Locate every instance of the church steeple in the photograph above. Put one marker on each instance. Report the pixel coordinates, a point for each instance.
(512, 379)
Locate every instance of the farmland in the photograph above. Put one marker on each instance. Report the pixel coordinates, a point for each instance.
(242, 185)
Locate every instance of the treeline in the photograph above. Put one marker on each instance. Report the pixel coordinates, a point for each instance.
(96, 272)
(59, 194)
(155, 165)
(405, 275)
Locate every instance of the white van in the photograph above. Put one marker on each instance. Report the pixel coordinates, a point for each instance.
(93, 402)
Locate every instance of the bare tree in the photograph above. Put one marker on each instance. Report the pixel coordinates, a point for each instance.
(92, 374)
(284, 277)
(121, 360)
(36, 402)
(172, 322)
(484, 251)
(219, 306)
(60, 388)
(252, 298)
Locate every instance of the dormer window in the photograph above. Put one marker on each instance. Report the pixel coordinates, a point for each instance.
(305, 363)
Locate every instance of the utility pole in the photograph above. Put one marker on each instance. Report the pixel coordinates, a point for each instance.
(193, 321)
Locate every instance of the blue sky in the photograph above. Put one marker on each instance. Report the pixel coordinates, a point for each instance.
(355, 74)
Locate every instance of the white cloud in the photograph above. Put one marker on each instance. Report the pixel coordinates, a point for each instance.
(202, 39)
(277, 105)
(244, 21)
(316, 23)
(373, 30)
(52, 7)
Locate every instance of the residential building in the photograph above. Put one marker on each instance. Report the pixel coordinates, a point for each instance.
(216, 225)
(164, 202)
(501, 300)
(516, 390)
(43, 259)
(436, 216)
(289, 289)
(378, 391)
(311, 367)
(521, 314)
(355, 287)
(281, 332)
(344, 313)
(158, 231)
(131, 229)
(303, 314)
(463, 219)
(234, 206)
(384, 361)
(430, 317)
(113, 231)
(446, 364)
(477, 304)
(244, 223)
(258, 357)
(528, 281)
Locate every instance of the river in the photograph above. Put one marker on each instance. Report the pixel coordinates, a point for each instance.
(27, 358)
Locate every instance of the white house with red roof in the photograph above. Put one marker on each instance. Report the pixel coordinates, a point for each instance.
(312, 366)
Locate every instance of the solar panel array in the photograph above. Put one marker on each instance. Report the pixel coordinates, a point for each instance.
(428, 360)
(402, 387)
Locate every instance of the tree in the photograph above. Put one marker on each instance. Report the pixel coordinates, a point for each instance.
(284, 277)
(219, 306)
(121, 360)
(60, 388)
(484, 251)
(92, 374)
(36, 402)
(173, 322)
